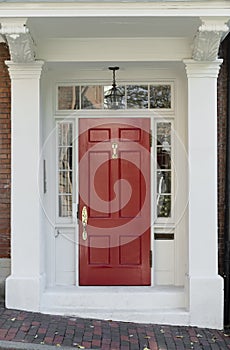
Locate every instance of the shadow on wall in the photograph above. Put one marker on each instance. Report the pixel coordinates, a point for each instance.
(5, 266)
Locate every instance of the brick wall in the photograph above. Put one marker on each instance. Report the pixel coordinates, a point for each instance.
(5, 144)
(221, 127)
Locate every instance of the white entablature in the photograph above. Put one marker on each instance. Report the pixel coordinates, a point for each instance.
(205, 44)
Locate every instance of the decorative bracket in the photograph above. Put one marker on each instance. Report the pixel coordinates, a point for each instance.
(20, 42)
(207, 40)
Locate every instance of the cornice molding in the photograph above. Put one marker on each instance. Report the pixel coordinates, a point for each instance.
(19, 40)
(114, 8)
(207, 40)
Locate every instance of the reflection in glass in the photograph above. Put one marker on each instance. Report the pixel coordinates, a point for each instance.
(65, 182)
(65, 159)
(68, 97)
(160, 96)
(65, 134)
(137, 96)
(164, 134)
(65, 205)
(108, 103)
(91, 97)
(163, 158)
(163, 206)
(156, 96)
(164, 182)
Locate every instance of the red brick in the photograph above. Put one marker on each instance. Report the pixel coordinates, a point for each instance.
(5, 153)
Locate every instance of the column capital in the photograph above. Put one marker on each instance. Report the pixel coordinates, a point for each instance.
(207, 40)
(202, 69)
(30, 70)
(16, 34)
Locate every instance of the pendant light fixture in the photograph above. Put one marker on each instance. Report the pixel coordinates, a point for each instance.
(114, 96)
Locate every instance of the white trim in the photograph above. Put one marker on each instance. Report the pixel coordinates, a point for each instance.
(152, 229)
(160, 225)
(94, 9)
(155, 115)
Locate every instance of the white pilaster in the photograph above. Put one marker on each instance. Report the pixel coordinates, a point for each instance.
(24, 284)
(205, 285)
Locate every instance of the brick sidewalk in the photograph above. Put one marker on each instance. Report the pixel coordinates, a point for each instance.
(36, 328)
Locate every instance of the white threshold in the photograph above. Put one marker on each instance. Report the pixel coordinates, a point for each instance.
(161, 305)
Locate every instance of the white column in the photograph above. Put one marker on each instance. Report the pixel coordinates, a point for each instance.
(205, 285)
(24, 285)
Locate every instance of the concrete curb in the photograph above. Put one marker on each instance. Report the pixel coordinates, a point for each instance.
(11, 345)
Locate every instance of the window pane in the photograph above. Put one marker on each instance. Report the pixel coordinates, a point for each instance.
(65, 134)
(121, 93)
(160, 96)
(163, 182)
(65, 158)
(163, 158)
(137, 96)
(163, 206)
(68, 97)
(65, 182)
(91, 97)
(164, 134)
(65, 205)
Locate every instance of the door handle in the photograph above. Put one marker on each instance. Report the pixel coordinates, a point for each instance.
(84, 220)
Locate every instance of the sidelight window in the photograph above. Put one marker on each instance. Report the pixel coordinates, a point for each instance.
(163, 181)
(65, 168)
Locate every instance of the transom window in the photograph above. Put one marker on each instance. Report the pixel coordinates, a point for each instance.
(136, 96)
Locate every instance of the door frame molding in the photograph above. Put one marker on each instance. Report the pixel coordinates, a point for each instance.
(161, 227)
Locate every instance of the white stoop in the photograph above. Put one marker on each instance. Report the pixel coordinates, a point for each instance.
(162, 305)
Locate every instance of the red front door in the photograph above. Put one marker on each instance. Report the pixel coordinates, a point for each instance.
(114, 197)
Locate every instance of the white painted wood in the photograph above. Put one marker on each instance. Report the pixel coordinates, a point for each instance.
(164, 263)
(205, 285)
(65, 244)
(117, 49)
(159, 115)
(158, 9)
(26, 274)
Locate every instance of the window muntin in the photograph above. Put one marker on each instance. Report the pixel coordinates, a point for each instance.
(155, 96)
(65, 168)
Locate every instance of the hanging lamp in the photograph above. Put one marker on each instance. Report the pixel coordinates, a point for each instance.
(114, 96)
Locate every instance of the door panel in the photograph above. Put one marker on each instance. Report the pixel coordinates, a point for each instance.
(114, 186)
